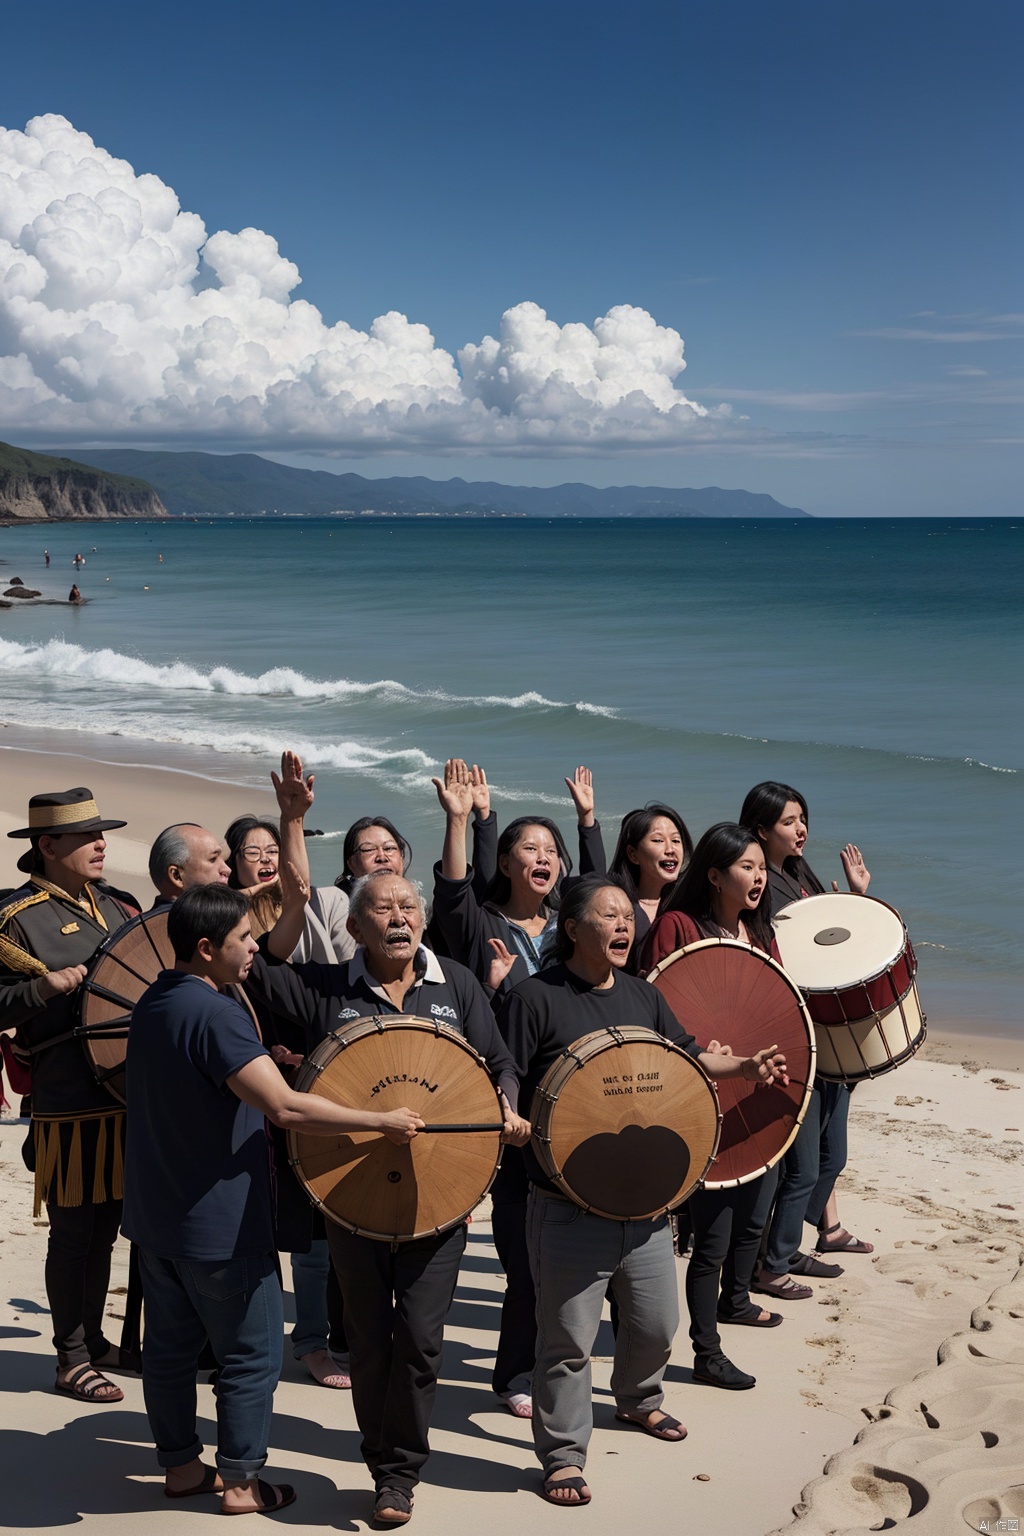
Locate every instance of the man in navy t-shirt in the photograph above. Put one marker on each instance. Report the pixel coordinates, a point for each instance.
(198, 1199)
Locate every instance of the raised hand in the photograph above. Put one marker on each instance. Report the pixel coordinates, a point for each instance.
(294, 793)
(766, 1067)
(501, 964)
(856, 871)
(60, 983)
(716, 1048)
(581, 787)
(481, 792)
(456, 792)
(400, 1125)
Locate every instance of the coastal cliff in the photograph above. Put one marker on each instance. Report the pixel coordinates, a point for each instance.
(35, 488)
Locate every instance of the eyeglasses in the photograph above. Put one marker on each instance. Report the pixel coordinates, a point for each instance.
(365, 849)
(252, 852)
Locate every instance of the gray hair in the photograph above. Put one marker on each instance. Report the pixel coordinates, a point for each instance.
(361, 894)
(170, 847)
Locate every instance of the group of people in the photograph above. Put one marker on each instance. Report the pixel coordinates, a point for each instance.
(522, 956)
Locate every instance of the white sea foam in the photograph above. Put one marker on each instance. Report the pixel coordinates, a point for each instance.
(405, 764)
(62, 659)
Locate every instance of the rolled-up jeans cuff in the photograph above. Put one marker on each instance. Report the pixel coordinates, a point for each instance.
(168, 1459)
(240, 1471)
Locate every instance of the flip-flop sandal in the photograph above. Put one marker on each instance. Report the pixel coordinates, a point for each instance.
(577, 1484)
(393, 1506)
(784, 1288)
(210, 1483)
(661, 1431)
(752, 1319)
(850, 1245)
(274, 1498)
(86, 1384)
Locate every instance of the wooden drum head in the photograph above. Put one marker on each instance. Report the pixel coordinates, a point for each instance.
(128, 963)
(365, 1182)
(721, 989)
(625, 1123)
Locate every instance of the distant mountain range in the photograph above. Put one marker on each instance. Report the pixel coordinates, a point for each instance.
(246, 485)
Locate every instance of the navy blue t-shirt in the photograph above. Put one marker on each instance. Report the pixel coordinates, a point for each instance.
(197, 1166)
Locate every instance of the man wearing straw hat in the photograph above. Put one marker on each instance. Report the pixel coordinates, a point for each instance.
(50, 928)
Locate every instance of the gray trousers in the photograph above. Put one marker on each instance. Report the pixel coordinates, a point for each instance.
(573, 1257)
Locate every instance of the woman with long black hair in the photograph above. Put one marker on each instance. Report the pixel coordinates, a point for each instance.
(723, 893)
(778, 816)
(653, 848)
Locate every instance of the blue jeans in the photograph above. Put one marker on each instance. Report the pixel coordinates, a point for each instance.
(319, 1313)
(794, 1178)
(835, 1112)
(237, 1304)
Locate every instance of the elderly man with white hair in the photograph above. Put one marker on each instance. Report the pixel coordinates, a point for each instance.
(396, 1295)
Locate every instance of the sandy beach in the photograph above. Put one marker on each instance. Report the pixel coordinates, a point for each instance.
(917, 1349)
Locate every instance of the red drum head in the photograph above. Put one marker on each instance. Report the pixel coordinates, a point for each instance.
(723, 990)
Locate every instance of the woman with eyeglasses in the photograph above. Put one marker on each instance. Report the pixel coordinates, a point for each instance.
(254, 857)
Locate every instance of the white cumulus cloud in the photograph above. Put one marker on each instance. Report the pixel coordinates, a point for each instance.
(122, 319)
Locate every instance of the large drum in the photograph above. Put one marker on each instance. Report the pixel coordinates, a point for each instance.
(625, 1123)
(721, 989)
(853, 960)
(365, 1182)
(128, 963)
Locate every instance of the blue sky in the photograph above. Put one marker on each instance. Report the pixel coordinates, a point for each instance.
(821, 199)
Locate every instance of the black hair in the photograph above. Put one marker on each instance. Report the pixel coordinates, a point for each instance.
(577, 898)
(346, 880)
(693, 892)
(762, 808)
(500, 887)
(635, 826)
(235, 836)
(204, 912)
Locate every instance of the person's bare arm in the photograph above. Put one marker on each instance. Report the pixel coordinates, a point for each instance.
(283, 938)
(294, 798)
(767, 1066)
(456, 797)
(260, 1084)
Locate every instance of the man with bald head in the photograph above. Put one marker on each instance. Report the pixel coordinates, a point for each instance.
(184, 856)
(396, 1295)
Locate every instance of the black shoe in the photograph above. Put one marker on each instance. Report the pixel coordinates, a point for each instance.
(807, 1264)
(717, 1371)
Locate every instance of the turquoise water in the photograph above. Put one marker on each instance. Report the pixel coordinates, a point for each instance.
(873, 664)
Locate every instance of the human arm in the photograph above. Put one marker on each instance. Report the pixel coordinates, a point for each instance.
(283, 939)
(294, 798)
(764, 1068)
(500, 965)
(485, 834)
(260, 1084)
(858, 877)
(581, 788)
(455, 794)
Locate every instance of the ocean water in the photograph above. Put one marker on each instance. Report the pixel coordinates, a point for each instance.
(874, 664)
